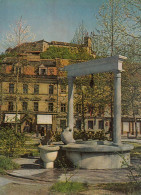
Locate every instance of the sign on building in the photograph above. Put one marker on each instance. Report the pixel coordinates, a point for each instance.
(10, 118)
(44, 119)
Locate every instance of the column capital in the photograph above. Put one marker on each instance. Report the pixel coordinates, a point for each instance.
(117, 73)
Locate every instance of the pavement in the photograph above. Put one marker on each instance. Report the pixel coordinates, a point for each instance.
(32, 170)
(4, 181)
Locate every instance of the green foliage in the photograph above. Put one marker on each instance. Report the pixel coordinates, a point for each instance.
(134, 172)
(131, 83)
(35, 153)
(85, 135)
(64, 163)
(56, 136)
(96, 97)
(126, 188)
(69, 187)
(4, 55)
(7, 164)
(11, 143)
(136, 152)
(66, 53)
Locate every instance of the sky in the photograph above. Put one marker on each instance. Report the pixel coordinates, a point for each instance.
(51, 20)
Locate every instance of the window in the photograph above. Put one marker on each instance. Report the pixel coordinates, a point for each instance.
(63, 88)
(90, 109)
(35, 106)
(11, 88)
(18, 70)
(10, 106)
(63, 124)
(42, 71)
(63, 107)
(25, 88)
(36, 89)
(51, 89)
(101, 124)
(90, 124)
(50, 107)
(78, 124)
(25, 106)
(78, 108)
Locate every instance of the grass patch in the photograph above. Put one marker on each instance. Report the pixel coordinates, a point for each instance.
(68, 187)
(7, 164)
(136, 152)
(126, 188)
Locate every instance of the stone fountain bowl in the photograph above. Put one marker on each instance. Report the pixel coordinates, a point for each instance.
(98, 154)
(48, 154)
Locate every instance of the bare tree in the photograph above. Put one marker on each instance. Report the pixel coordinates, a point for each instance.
(118, 33)
(79, 34)
(18, 34)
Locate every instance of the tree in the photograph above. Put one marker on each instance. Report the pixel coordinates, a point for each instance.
(80, 33)
(118, 28)
(131, 105)
(19, 34)
(110, 34)
(133, 17)
(119, 33)
(111, 28)
(92, 94)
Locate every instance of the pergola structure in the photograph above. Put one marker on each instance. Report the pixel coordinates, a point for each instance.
(110, 64)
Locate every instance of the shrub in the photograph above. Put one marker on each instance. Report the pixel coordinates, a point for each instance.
(126, 188)
(85, 135)
(11, 143)
(66, 53)
(7, 164)
(56, 137)
(68, 187)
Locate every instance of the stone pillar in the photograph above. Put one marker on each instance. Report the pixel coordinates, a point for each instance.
(117, 108)
(70, 103)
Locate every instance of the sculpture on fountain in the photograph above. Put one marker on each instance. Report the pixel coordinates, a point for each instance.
(67, 136)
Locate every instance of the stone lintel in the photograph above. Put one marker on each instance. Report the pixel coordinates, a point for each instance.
(109, 64)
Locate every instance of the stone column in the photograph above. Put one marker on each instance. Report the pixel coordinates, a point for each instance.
(117, 108)
(70, 103)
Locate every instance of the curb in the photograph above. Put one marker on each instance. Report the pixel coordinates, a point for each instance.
(29, 178)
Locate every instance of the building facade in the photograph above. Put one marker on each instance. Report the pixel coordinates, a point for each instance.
(34, 92)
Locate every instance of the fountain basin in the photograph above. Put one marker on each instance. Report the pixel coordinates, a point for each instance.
(48, 154)
(98, 154)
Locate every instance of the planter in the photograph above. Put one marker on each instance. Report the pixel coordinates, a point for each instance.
(48, 154)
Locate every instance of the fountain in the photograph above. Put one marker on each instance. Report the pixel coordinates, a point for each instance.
(96, 154)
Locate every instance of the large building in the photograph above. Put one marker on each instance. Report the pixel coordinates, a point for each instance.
(33, 92)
